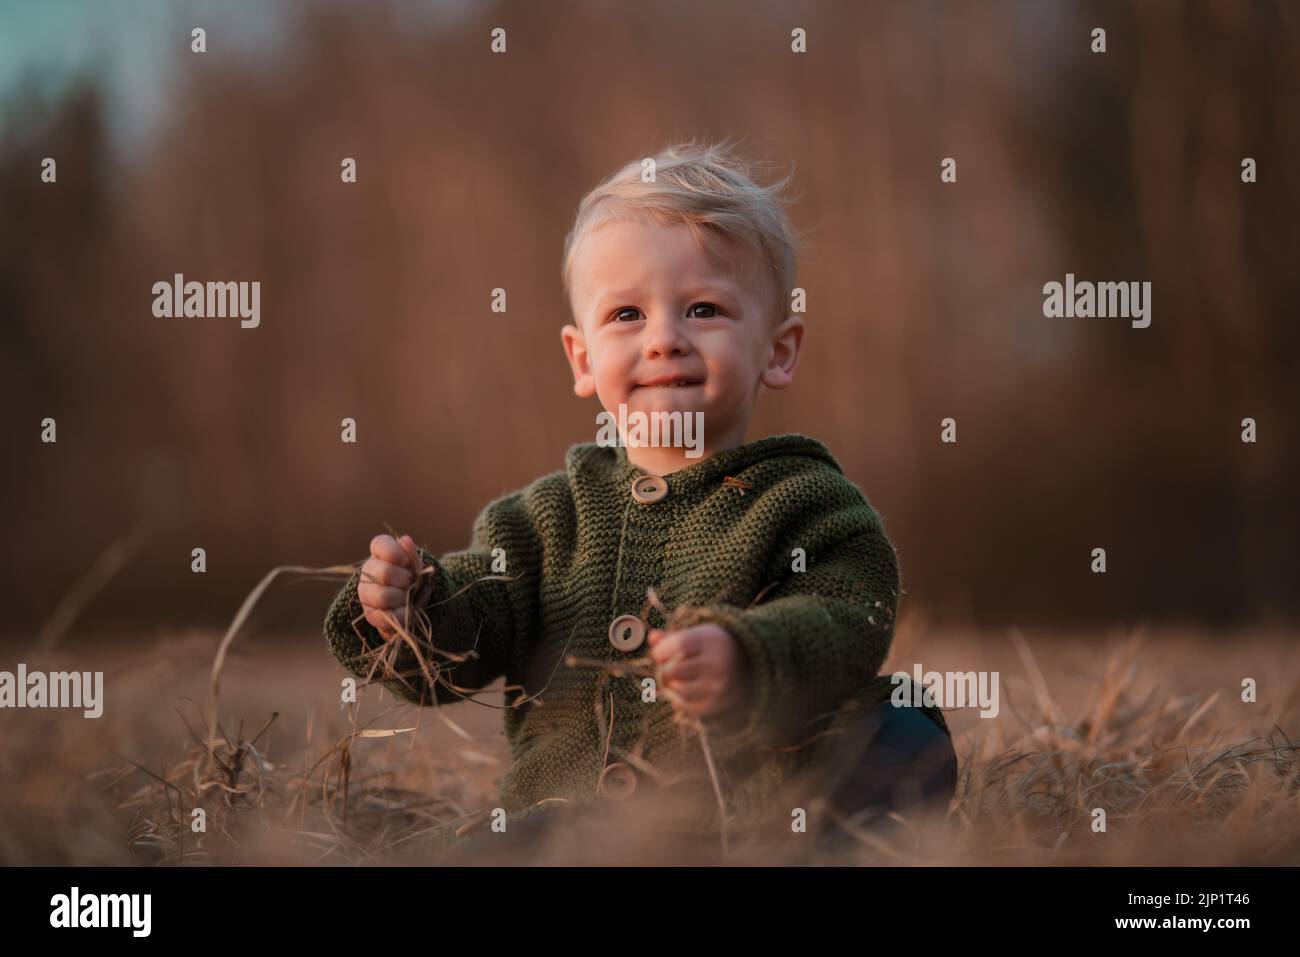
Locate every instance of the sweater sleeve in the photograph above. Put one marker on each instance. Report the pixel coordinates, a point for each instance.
(819, 636)
(473, 610)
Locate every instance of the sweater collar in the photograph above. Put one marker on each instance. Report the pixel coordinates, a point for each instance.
(610, 464)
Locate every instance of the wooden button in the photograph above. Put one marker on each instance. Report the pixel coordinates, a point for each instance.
(626, 632)
(617, 781)
(648, 489)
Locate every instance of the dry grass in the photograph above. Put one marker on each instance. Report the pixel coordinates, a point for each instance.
(1151, 729)
(1182, 778)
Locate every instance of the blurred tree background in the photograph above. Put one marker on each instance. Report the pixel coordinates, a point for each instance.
(925, 299)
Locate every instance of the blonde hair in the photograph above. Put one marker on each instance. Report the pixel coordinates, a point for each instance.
(708, 189)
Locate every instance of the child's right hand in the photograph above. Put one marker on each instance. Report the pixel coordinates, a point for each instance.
(385, 578)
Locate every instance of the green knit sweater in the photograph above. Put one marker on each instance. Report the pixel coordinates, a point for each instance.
(580, 549)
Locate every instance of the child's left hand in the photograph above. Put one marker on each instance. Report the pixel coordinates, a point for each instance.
(705, 668)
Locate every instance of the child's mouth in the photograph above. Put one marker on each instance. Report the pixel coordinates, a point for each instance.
(669, 384)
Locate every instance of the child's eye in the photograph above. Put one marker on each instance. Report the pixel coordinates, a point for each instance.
(618, 315)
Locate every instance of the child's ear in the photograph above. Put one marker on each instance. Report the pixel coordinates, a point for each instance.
(783, 358)
(575, 347)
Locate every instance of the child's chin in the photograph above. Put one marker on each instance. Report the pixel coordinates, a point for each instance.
(664, 403)
(665, 400)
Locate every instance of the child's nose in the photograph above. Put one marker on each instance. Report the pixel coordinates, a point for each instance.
(665, 336)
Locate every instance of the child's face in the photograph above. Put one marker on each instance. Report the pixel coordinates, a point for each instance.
(649, 304)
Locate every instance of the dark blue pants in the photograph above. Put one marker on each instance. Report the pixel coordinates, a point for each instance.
(889, 759)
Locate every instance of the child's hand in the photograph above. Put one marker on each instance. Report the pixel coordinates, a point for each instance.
(385, 578)
(705, 668)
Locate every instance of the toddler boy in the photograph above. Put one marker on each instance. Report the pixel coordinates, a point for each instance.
(703, 622)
